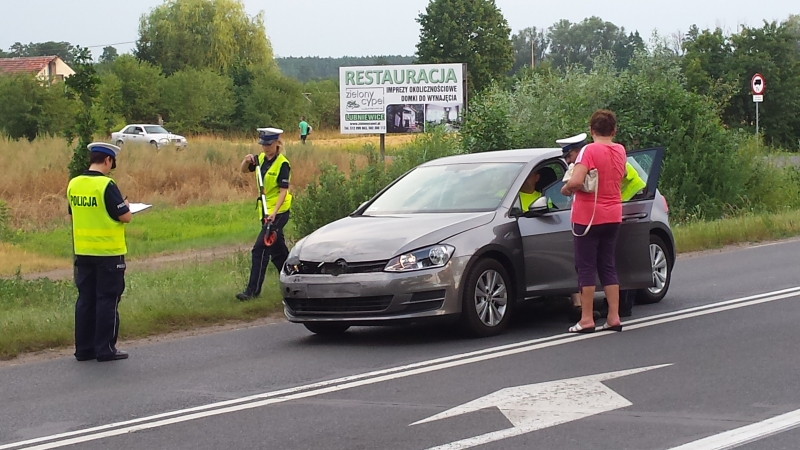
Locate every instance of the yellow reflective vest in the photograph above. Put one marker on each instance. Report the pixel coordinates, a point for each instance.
(94, 232)
(271, 189)
(526, 200)
(632, 183)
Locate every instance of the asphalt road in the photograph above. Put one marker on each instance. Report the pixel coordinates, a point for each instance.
(717, 359)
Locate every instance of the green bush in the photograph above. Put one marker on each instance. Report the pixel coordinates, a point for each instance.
(703, 173)
(333, 195)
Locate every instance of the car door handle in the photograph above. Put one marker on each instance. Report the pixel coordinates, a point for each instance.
(634, 216)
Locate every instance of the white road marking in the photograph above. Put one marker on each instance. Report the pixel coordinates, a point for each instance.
(542, 405)
(314, 389)
(744, 435)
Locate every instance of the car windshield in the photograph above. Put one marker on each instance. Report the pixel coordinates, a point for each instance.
(155, 129)
(448, 188)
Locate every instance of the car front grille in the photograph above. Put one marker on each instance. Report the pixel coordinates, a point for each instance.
(347, 305)
(317, 268)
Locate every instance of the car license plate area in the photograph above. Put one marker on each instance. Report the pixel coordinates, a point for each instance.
(339, 290)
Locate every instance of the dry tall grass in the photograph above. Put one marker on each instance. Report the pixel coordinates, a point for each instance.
(35, 176)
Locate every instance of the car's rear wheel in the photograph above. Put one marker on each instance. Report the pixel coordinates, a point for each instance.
(661, 265)
(326, 329)
(488, 301)
(120, 142)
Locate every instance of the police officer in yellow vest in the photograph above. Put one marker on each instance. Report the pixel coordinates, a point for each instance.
(99, 214)
(275, 170)
(631, 184)
(528, 193)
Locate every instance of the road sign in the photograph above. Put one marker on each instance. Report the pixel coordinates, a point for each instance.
(757, 84)
(758, 98)
(537, 406)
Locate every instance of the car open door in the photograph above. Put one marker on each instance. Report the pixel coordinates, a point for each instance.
(633, 247)
(547, 242)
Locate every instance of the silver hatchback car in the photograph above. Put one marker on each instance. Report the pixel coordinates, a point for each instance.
(449, 240)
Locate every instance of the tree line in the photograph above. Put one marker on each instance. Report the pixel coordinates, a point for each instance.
(206, 66)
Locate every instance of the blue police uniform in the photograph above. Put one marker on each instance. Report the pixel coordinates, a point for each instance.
(278, 252)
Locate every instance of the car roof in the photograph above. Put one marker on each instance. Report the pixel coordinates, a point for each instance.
(143, 125)
(508, 156)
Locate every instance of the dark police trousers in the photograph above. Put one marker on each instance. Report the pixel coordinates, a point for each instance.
(100, 281)
(278, 252)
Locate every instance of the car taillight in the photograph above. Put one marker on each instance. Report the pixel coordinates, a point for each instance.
(664, 201)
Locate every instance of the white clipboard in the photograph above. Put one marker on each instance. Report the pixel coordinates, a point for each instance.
(138, 207)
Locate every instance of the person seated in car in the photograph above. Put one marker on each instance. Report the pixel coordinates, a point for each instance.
(528, 193)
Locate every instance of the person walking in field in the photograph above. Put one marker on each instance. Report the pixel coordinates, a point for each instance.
(305, 129)
(275, 172)
(99, 214)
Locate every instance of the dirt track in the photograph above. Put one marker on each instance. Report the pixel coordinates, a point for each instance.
(151, 263)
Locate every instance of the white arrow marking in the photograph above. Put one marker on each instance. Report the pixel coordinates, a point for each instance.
(744, 435)
(537, 406)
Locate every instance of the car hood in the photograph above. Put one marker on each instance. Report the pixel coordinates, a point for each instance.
(379, 238)
(165, 135)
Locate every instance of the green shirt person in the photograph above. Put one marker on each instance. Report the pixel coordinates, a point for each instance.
(304, 128)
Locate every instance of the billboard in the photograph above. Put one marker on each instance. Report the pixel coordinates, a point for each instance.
(400, 99)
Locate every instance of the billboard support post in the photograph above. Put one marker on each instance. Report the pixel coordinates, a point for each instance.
(383, 146)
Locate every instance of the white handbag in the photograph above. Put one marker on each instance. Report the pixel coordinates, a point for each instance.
(589, 183)
(589, 186)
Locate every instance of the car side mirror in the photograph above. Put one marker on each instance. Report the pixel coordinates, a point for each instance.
(538, 208)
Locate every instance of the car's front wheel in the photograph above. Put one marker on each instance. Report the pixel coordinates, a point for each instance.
(661, 265)
(326, 329)
(487, 302)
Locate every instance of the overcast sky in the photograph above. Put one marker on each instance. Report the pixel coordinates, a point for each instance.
(367, 27)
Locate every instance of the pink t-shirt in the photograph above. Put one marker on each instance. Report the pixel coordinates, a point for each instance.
(609, 160)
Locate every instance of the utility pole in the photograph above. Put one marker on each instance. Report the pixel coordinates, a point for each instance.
(533, 52)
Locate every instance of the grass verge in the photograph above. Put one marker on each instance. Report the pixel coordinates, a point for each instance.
(37, 315)
(157, 231)
(748, 228)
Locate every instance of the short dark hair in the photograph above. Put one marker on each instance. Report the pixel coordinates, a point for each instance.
(603, 123)
(98, 158)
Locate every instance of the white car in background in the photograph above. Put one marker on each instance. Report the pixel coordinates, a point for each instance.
(154, 135)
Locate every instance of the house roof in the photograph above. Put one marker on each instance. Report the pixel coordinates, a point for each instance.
(25, 64)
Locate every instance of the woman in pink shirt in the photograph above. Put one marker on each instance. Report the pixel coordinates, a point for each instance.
(596, 220)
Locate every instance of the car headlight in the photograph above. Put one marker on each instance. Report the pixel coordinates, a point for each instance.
(426, 258)
(292, 264)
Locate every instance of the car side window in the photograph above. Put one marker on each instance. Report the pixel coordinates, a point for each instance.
(555, 199)
(129, 130)
(139, 130)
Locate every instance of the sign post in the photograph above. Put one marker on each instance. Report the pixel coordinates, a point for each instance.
(757, 86)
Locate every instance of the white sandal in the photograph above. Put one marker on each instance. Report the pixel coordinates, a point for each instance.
(577, 328)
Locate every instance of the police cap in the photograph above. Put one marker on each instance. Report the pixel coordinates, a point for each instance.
(267, 136)
(572, 143)
(102, 147)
